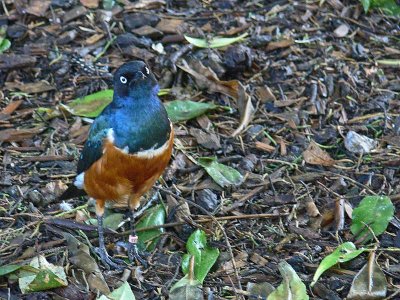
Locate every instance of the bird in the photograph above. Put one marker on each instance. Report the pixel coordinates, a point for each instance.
(129, 146)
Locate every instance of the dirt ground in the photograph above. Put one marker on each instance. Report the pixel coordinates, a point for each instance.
(306, 75)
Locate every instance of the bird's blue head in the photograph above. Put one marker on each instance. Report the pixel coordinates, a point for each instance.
(135, 80)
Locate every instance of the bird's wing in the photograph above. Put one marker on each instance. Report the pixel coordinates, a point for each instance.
(91, 152)
(93, 149)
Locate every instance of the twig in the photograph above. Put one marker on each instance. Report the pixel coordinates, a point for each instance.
(48, 158)
(207, 220)
(178, 54)
(149, 203)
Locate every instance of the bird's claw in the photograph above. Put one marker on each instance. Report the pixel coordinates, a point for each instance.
(133, 253)
(108, 261)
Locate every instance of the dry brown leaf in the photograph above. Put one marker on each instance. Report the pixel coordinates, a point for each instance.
(17, 135)
(312, 209)
(207, 79)
(94, 39)
(264, 94)
(246, 109)
(258, 259)
(279, 44)
(240, 259)
(207, 140)
(264, 147)
(30, 88)
(10, 108)
(169, 25)
(314, 155)
(180, 210)
(38, 7)
(90, 3)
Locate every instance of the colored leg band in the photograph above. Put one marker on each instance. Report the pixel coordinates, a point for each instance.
(133, 239)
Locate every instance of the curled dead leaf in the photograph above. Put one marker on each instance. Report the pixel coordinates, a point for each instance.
(314, 155)
(207, 79)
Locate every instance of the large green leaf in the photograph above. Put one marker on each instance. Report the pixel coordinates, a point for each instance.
(186, 289)
(222, 174)
(374, 211)
(155, 216)
(179, 110)
(343, 253)
(216, 42)
(204, 255)
(92, 105)
(124, 292)
(388, 6)
(291, 287)
(45, 276)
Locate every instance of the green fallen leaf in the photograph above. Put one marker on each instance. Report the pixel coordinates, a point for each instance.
(291, 287)
(389, 7)
(216, 42)
(7, 269)
(343, 253)
(204, 255)
(124, 292)
(222, 174)
(5, 44)
(112, 221)
(366, 4)
(148, 239)
(182, 110)
(374, 211)
(44, 276)
(92, 105)
(186, 289)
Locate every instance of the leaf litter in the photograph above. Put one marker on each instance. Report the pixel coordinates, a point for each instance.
(286, 117)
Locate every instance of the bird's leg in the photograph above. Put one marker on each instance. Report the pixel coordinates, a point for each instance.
(133, 252)
(101, 250)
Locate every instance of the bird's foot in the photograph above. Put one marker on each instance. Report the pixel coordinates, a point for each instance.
(108, 261)
(133, 252)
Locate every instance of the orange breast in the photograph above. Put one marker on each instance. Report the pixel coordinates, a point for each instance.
(122, 177)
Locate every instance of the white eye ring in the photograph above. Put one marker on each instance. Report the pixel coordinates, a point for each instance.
(123, 79)
(147, 70)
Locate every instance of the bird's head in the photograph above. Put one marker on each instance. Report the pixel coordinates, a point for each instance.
(134, 79)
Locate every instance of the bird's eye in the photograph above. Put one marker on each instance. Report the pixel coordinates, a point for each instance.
(147, 70)
(123, 79)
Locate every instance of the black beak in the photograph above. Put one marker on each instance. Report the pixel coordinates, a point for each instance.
(137, 77)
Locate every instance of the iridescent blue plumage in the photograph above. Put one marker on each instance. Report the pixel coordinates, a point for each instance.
(138, 119)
